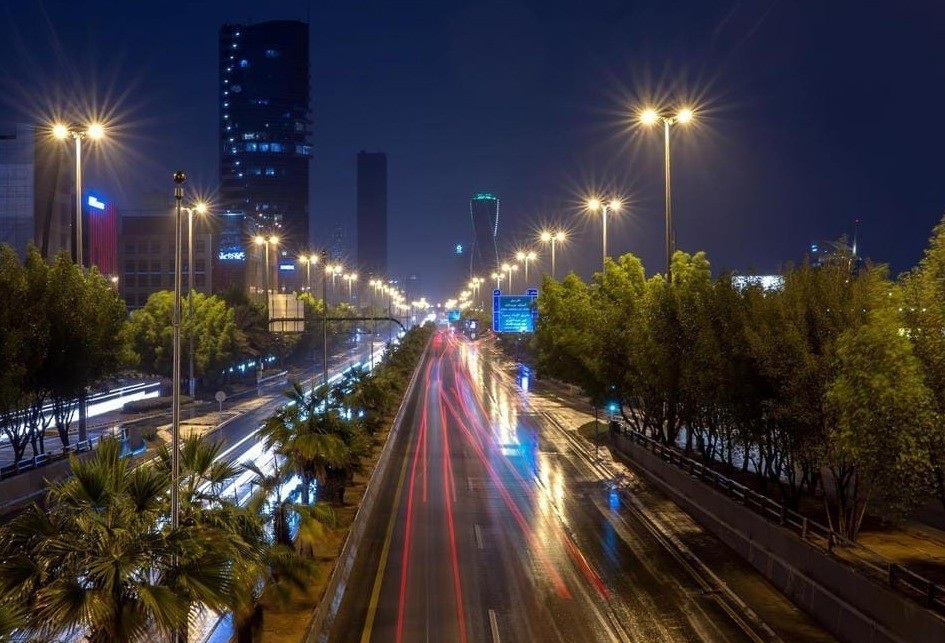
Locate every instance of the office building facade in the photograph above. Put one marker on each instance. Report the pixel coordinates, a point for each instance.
(484, 250)
(36, 191)
(372, 213)
(146, 254)
(265, 139)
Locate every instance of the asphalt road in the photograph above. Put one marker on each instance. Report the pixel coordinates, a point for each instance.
(496, 524)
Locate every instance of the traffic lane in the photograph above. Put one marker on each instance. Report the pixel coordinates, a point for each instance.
(617, 588)
(528, 582)
(359, 595)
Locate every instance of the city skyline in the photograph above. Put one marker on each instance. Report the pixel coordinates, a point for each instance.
(792, 121)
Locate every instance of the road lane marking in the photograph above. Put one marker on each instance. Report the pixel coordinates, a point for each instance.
(385, 552)
(478, 536)
(494, 626)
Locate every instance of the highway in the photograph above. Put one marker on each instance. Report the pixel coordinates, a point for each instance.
(497, 523)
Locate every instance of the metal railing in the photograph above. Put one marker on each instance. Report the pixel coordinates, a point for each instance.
(42, 459)
(907, 582)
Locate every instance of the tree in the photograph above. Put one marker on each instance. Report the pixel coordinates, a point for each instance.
(216, 337)
(307, 432)
(881, 407)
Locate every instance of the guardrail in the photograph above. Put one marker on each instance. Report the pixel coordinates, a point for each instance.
(49, 457)
(907, 582)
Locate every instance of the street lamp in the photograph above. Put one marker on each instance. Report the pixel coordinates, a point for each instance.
(309, 261)
(350, 278)
(94, 131)
(552, 237)
(650, 116)
(179, 178)
(498, 280)
(266, 241)
(613, 205)
(200, 208)
(526, 256)
(510, 269)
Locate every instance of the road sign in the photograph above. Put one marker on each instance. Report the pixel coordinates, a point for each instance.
(219, 397)
(514, 313)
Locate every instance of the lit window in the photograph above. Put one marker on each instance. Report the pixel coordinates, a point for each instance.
(237, 89)
(271, 53)
(275, 147)
(249, 136)
(257, 171)
(270, 171)
(264, 147)
(244, 63)
(251, 147)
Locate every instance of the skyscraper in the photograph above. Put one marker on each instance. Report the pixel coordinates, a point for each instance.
(372, 212)
(265, 134)
(484, 253)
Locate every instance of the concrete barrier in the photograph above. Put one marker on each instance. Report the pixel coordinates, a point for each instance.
(849, 604)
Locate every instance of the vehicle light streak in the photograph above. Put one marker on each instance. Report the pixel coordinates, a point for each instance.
(537, 546)
(573, 551)
(447, 484)
(408, 532)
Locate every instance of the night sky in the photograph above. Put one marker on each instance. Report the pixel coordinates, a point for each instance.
(810, 114)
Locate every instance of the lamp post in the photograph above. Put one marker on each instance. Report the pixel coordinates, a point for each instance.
(325, 319)
(509, 269)
(613, 205)
(350, 278)
(498, 280)
(94, 131)
(179, 178)
(552, 238)
(309, 261)
(265, 241)
(200, 208)
(525, 256)
(650, 116)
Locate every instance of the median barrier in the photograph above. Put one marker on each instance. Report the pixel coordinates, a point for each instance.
(851, 601)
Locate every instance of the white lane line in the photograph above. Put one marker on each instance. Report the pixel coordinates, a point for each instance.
(494, 626)
(478, 536)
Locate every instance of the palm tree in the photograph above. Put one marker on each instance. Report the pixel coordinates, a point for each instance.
(102, 559)
(306, 431)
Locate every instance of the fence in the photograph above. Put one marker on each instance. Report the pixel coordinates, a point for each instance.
(44, 459)
(909, 583)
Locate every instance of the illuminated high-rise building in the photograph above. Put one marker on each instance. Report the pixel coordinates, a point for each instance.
(265, 137)
(484, 251)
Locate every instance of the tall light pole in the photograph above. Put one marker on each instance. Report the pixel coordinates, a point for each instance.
(650, 116)
(325, 318)
(266, 241)
(498, 280)
(552, 237)
(179, 178)
(350, 278)
(525, 256)
(509, 269)
(613, 205)
(200, 208)
(309, 261)
(94, 131)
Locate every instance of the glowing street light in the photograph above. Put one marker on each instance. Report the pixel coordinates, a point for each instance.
(309, 261)
(266, 241)
(94, 131)
(350, 278)
(650, 116)
(199, 207)
(526, 256)
(548, 236)
(498, 280)
(613, 205)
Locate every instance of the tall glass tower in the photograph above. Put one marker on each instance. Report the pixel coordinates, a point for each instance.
(484, 252)
(265, 135)
(372, 213)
